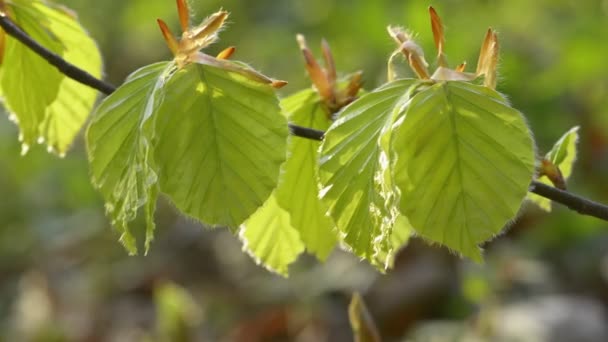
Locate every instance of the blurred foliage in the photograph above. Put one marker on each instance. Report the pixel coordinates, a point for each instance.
(58, 250)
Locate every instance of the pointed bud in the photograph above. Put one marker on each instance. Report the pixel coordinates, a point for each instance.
(411, 50)
(438, 35)
(484, 51)
(461, 67)
(354, 85)
(209, 26)
(316, 74)
(552, 171)
(169, 37)
(184, 14)
(330, 65)
(278, 84)
(490, 80)
(2, 45)
(488, 59)
(226, 53)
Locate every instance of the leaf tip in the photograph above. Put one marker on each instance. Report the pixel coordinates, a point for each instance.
(226, 53)
(184, 14)
(278, 84)
(168, 35)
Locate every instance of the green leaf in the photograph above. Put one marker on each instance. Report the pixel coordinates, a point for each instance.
(463, 161)
(298, 190)
(221, 140)
(300, 215)
(270, 239)
(351, 171)
(395, 237)
(119, 142)
(53, 111)
(562, 155)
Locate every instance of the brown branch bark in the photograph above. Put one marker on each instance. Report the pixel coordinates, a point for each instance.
(579, 204)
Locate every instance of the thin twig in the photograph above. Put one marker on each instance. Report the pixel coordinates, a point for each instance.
(61, 64)
(579, 204)
(305, 132)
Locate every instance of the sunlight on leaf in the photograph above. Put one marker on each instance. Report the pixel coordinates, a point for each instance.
(351, 172)
(119, 147)
(463, 161)
(297, 192)
(221, 142)
(54, 111)
(270, 239)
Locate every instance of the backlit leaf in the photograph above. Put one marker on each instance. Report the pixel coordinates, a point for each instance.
(297, 192)
(119, 146)
(562, 155)
(352, 172)
(463, 161)
(221, 139)
(268, 236)
(296, 198)
(55, 107)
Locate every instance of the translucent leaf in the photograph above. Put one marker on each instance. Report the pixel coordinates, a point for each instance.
(463, 161)
(389, 243)
(55, 107)
(221, 139)
(296, 196)
(562, 155)
(270, 239)
(352, 172)
(119, 147)
(297, 192)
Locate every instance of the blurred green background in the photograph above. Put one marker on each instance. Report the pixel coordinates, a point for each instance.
(64, 276)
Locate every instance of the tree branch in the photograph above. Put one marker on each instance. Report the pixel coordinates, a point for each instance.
(305, 132)
(65, 67)
(574, 202)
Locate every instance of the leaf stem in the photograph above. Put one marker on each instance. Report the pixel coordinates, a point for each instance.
(574, 202)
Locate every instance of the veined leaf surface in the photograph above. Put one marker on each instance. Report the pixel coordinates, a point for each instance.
(221, 142)
(351, 171)
(300, 218)
(55, 107)
(463, 161)
(269, 237)
(119, 143)
(297, 192)
(562, 155)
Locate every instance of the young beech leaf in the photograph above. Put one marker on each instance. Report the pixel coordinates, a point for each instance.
(352, 172)
(269, 237)
(463, 160)
(562, 155)
(221, 139)
(56, 106)
(119, 145)
(297, 191)
(296, 195)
